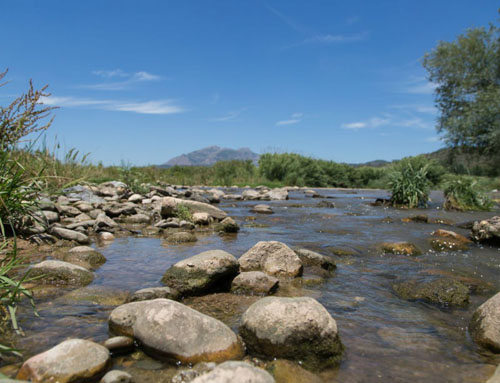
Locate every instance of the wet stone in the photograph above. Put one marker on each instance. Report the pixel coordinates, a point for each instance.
(235, 372)
(155, 293)
(119, 344)
(254, 283)
(285, 371)
(400, 248)
(181, 237)
(59, 272)
(116, 376)
(484, 326)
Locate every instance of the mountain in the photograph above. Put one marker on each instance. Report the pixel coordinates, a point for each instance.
(373, 164)
(210, 155)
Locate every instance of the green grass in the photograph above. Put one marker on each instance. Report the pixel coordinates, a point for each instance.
(183, 213)
(461, 193)
(410, 187)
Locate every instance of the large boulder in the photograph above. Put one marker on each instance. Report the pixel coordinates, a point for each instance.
(487, 230)
(61, 273)
(235, 372)
(292, 328)
(72, 361)
(277, 194)
(441, 291)
(85, 254)
(171, 331)
(169, 206)
(210, 270)
(485, 324)
(272, 257)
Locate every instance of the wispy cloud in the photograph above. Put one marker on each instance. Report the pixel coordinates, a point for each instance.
(229, 116)
(433, 139)
(419, 85)
(373, 122)
(334, 39)
(145, 107)
(288, 20)
(416, 108)
(295, 119)
(129, 79)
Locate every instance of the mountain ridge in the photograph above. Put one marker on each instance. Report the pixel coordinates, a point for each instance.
(211, 155)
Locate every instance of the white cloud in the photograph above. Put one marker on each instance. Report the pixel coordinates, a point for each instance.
(417, 108)
(433, 139)
(130, 78)
(355, 125)
(229, 116)
(295, 119)
(419, 85)
(146, 107)
(373, 122)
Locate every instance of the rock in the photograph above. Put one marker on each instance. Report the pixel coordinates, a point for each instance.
(274, 258)
(204, 272)
(169, 205)
(227, 225)
(250, 195)
(50, 216)
(311, 258)
(85, 254)
(262, 209)
(105, 236)
(441, 291)
(60, 272)
(119, 344)
(325, 204)
(235, 372)
(292, 328)
(496, 376)
(83, 193)
(450, 234)
(254, 283)
(419, 218)
(484, 326)
(155, 293)
(117, 209)
(74, 360)
(116, 376)
(138, 218)
(135, 198)
(82, 217)
(67, 210)
(69, 235)
(277, 194)
(400, 248)
(311, 193)
(83, 206)
(447, 244)
(181, 237)
(201, 218)
(189, 374)
(171, 331)
(104, 223)
(285, 371)
(186, 225)
(487, 230)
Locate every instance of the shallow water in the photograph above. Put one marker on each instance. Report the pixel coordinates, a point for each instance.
(387, 339)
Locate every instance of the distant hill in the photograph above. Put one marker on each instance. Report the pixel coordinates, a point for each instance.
(210, 155)
(373, 164)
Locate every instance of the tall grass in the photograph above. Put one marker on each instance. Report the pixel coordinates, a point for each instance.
(410, 187)
(461, 194)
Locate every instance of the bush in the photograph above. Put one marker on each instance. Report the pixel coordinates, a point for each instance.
(183, 213)
(461, 194)
(410, 187)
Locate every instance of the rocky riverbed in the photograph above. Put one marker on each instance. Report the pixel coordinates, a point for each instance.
(283, 285)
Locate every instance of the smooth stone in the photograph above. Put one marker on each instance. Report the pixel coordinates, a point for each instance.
(272, 257)
(104, 223)
(105, 236)
(250, 195)
(138, 219)
(60, 272)
(285, 371)
(202, 273)
(117, 376)
(496, 376)
(311, 258)
(254, 283)
(72, 361)
(181, 237)
(119, 344)
(441, 291)
(92, 257)
(277, 194)
(69, 235)
(262, 209)
(201, 218)
(155, 293)
(171, 331)
(298, 329)
(400, 248)
(484, 326)
(169, 206)
(135, 198)
(228, 225)
(235, 372)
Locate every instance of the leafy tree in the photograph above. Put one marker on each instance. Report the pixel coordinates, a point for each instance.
(467, 74)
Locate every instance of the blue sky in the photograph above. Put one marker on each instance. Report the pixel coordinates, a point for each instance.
(143, 81)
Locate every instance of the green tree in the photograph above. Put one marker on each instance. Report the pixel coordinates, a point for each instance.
(467, 74)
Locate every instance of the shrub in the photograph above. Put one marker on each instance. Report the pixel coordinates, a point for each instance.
(183, 213)
(410, 187)
(461, 194)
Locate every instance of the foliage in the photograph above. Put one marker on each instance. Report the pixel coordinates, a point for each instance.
(133, 179)
(461, 194)
(23, 115)
(434, 171)
(183, 213)
(467, 74)
(410, 186)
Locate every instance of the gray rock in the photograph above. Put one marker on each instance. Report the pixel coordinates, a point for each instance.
(254, 283)
(67, 210)
(277, 194)
(172, 331)
(104, 223)
(235, 372)
(135, 198)
(227, 225)
(70, 235)
(496, 376)
(155, 293)
(262, 209)
(50, 216)
(119, 344)
(138, 218)
(169, 205)
(85, 254)
(441, 291)
(83, 193)
(72, 361)
(105, 236)
(311, 258)
(201, 218)
(251, 195)
(487, 230)
(84, 206)
(484, 326)
(60, 272)
(117, 376)
(115, 210)
(292, 328)
(272, 257)
(201, 273)
(181, 237)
